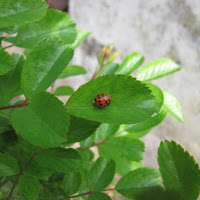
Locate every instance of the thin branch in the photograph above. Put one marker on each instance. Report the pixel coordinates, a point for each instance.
(94, 145)
(18, 176)
(52, 87)
(79, 195)
(12, 45)
(15, 106)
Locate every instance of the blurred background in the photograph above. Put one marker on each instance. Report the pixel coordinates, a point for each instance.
(167, 28)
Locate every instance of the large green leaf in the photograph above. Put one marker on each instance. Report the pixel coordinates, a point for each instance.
(148, 124)
(172, 105)
(157, 69)
(6, 63)
(130, 63)
(4, 120)
(80, 129)
(138, 181)
(81, 37)
(44, 64)
(21, 11)
(101, 174)
(8, 165)
(105, 131)
(61, 160)
(125, 151)
(131, 101)
(10, 83)
(108, 69)
(54, 24)
(31, 122)
(29, 186)
(71, 182)
(98, 196)
(179, 171)
(72, 70)
(63, 90)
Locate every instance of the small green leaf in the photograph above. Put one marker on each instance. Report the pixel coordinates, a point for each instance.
(21, 12)
(88, 142)
(125, 151)
(4, 120)
(98, 196)
(32, 124)
(61, 160)
(72, 70)
(9, 39)
(63, 90)
(54, 24)
(29, 186)
(148, 124)
(101, 174)
(113, 57)
(172, 105)
(130, 63)
(157, 69)
(81, 37)
(10, 83)
(105, 131)
(71, 182)
(179, 171)
(80, 129)
(43, 65)
(8, 165)
(6, 63)
(131, 101)
(108, 69)
(138, 181)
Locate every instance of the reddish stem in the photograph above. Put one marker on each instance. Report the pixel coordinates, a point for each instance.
(15, 106)
(52, 87)
(18, 176)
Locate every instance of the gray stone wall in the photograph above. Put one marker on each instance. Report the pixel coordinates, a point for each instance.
(167, 28)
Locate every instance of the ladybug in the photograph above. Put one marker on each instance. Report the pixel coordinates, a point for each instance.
(102, 100)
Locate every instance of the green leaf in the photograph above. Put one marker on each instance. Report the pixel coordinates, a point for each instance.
(43, 65)
(130, 63)
(138, 181)
(108, 69)
(21, 11)
(81, 37)
(124, 151)
(29, 186)
(54, 24)
(131, 101)
(80, 129)
(179, 171)
(88, 142)
(105, 131)
(71, 182)
(4, 120)
(63, 90)
(9, 39)
(72, 70)
(42, 173)
(113, 57)
(6, 63)
(101, 174)
(8, 165)
(32, 124)
(98, 196)
(61, 160)
(134, 134)
(10, 83)
(172, 105)
(148, 124)
(157, 69)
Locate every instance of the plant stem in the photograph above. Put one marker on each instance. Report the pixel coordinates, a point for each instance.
(18, 176)
(52, 87)
(12, 45)
(94, 145)
(79, 195)
(15, 106)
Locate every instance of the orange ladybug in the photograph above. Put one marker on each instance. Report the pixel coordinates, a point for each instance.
(102, 100)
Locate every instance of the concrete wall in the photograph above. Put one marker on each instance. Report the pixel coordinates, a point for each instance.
(167, 28)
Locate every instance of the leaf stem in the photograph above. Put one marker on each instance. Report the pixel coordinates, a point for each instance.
(15, 106)
(12, 45)
(79, 195)
(18, 176)
(52, 87)
(94, 145)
